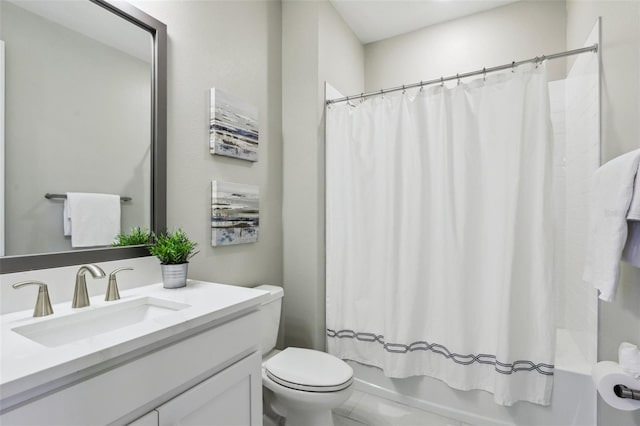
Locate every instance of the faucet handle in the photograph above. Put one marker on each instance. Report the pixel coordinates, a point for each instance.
(112, 287)
(43, 303)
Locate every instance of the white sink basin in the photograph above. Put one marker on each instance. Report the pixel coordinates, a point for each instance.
(77, 326)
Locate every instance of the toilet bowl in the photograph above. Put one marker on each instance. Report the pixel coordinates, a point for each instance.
(301, 385)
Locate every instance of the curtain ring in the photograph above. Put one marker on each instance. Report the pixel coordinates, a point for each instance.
(382, 93)
(536, 61)
(458, 77)
(513, 66)
(484, 74)
(362, 97)
(542, 59)
(403, 90)
(421, 85)
(442, 81)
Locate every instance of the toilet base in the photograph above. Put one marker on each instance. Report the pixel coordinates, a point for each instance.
(284, 414)
(270, 421)
(307, 418)
(299, 408)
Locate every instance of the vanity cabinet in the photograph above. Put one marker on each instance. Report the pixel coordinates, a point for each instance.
(212, 376)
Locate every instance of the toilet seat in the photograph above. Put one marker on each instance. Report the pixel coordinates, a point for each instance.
(309, 370)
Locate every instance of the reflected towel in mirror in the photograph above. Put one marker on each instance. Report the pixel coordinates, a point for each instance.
(94, 219)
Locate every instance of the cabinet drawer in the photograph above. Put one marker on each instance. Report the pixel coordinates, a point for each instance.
(141, 385)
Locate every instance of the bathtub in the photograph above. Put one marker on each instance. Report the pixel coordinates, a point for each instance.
(573, 400)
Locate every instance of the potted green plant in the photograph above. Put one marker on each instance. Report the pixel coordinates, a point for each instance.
(137, 236)
(173, 249)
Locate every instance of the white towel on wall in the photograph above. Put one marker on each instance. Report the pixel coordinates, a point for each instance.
(95, 218)
(631, 251)
(634, 208)
(613, 188)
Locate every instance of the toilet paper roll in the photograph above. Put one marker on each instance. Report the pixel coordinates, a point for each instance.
(607, 374)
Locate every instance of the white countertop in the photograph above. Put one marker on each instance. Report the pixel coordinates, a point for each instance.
(26, 365)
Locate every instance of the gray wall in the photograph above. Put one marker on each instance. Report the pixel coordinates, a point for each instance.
(75, 106)
(620, 91)
(234, 46)
(514, 32)
(317, 46)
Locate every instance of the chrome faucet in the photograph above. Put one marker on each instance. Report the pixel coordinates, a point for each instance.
(43, 303)
(80, 294)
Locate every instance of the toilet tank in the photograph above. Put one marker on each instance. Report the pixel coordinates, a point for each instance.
(270, 317)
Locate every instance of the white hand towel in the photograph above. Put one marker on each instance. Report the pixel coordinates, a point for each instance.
(629, 359)
(612, 190)
(634, 207)
(66, 219)
(95, 218)
(631, 251)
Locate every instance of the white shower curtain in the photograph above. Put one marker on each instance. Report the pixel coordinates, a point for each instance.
(439, 254)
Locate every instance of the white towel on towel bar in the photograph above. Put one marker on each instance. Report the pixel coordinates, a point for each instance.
(66, 219)
(95, 218)
(631, 251)
(614, 184)
(634, 208)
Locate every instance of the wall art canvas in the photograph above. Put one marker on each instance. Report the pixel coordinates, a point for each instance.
(235, 209)
(233, 129)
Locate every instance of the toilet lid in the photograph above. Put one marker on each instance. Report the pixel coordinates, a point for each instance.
(309, 370)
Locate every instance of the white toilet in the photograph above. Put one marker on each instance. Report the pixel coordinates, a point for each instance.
(301, 385)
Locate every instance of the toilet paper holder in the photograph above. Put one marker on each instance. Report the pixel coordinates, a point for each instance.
(622, 391)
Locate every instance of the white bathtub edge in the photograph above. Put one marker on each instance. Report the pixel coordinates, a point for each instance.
(459, 415)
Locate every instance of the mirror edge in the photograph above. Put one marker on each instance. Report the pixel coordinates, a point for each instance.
(158, 31)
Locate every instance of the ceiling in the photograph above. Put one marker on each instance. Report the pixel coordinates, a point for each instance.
(373, 20)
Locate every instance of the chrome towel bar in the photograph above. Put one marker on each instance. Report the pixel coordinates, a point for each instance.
(49, 196)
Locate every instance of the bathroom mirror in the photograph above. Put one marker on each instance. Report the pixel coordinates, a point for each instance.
(85, 111)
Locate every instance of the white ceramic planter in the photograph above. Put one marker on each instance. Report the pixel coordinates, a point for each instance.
(174, 276)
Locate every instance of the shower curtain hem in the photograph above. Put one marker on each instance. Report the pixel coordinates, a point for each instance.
(467, 387)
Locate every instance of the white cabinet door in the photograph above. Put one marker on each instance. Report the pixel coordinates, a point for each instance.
(149, 419)
(229, 398)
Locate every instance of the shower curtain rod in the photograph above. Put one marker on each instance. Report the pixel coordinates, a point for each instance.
(592, 48)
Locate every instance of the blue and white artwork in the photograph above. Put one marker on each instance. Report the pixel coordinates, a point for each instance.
(235, 210)
(233, 127)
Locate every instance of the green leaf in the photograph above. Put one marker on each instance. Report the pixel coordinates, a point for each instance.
(137, 236)
(173, 248)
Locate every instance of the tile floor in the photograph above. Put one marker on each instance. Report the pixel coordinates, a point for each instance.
(366, 409)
